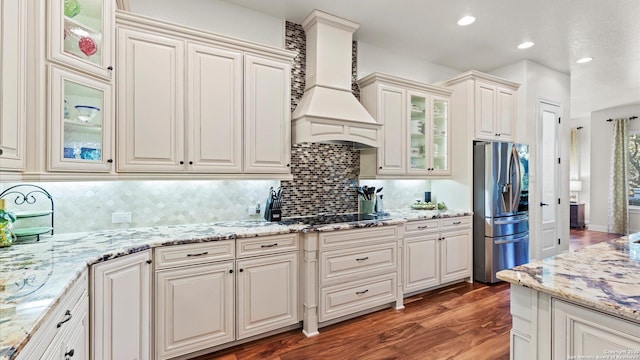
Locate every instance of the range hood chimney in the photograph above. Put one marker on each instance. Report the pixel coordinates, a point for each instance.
(328, 111)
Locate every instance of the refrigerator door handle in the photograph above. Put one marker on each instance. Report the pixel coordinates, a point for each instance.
(518, 239)
(515, 160)
(506, 222)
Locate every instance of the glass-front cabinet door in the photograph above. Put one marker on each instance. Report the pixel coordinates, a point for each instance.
(81, 34)
(418, 110)
(439, 137)
(81, 122)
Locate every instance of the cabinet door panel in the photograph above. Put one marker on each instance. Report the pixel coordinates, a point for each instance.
(455, 255)
(81, 34)
(578, 331)
(81, 119)
(485, 126)
(214, 90)
(439, 147)
(420, 124)
(121, 308)
(421, 263)
(12, 84)
(506, 113)
(267, 293)
(194, 308)
(267, 115)
(392, 110)
(150, 102)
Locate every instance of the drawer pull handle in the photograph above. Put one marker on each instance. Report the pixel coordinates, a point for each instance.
(67, 315)
(69, 354)
(457, 222)
(362, 292)
(200, 254)
(422, 227)
(362, 259)
(269, 246)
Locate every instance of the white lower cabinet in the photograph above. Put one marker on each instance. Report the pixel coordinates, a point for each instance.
(580, 332)
(64, 333)
(350, 271)
(74, 343)
(194, 308)
(213, 293)
(267, 293)
(121, 308)
(436, 252)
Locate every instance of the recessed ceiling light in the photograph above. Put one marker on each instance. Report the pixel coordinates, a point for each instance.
(584, 60)
(466, 20)
(526, 45)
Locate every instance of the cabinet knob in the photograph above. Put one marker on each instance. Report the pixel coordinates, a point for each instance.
(241, 270)
(69, 353)
(288, 165)
(181, 162)
(190, 162)
(149, 261)
(380, 168)
(109, 67)
(109, 161)
(231, 271)
(0, 151)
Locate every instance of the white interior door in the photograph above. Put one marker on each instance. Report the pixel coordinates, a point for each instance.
(549, 174)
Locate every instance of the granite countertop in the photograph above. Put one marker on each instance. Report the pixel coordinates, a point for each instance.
(34, 276)
(604, 276)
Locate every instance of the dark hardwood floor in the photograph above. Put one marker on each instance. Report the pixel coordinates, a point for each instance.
(461, 321)
(580, 238)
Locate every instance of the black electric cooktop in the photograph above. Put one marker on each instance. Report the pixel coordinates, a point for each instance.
(332, 219)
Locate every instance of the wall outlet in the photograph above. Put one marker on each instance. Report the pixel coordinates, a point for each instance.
(120, 217)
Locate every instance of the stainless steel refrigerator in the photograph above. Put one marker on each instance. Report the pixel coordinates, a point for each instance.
(500, 208)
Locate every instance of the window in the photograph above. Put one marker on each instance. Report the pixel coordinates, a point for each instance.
(634, 168)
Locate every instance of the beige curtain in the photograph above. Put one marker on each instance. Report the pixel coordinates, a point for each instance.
(618, 202)
(574, 161)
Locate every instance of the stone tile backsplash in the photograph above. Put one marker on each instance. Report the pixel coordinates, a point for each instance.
(87, 206)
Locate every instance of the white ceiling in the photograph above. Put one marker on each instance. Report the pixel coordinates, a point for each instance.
(563, 31)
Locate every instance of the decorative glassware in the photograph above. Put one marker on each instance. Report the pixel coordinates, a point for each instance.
(6, 225)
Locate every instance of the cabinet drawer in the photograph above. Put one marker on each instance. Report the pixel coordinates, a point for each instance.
(353, 263)
(181, 255)
(455, 223)
(349, 298)
(58, 320)
(264, 245)
(358, 237)
(421, 227)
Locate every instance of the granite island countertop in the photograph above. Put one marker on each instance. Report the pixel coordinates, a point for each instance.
(34, 276)
(605, 276)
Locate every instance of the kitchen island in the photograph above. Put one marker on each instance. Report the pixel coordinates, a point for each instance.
(35, 276)
(583, 303)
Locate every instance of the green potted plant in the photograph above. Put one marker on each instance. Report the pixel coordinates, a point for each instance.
(6, 225)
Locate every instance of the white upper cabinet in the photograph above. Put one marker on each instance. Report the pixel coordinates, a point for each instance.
(81, 34)
(80, 122)
(12, 84)
(195, 102)
(495, 112)
(267, 97)
(486, 102)
(150, 89)
(415, 135)
(214, 93)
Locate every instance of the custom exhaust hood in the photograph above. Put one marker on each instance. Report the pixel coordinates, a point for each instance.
(328, 111)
